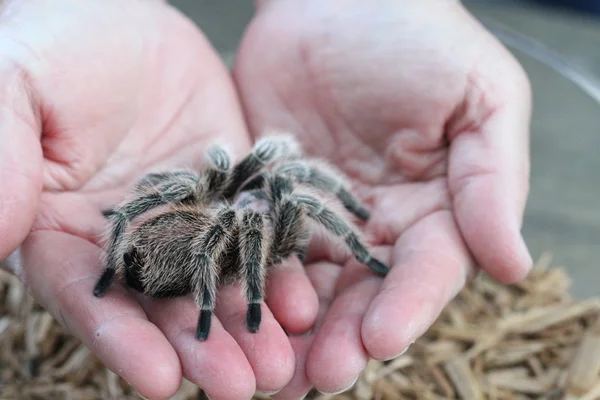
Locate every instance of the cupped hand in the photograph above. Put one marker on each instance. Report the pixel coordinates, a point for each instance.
(429, 115)
(92, 96)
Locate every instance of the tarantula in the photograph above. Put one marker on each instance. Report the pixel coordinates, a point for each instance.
(185, 232)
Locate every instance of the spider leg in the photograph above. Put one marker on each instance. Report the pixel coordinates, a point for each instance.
(254, 250)
(336, 225)
(108, 213)
(290, 233)
(207, 253)
(133, 262)
(153, 180)
(323, 177)
(216, 175)
(267, 149)
(257, 182)
(171, 191)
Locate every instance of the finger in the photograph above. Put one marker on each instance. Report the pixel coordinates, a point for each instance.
(56, 214)
(323, 276)
(20, 161)
(61, 271)
(489, 170)
(217, 365)
(268, 351)
(291, 297)
(321, 250)
(430, 264)
(300, 385)
(337, 355)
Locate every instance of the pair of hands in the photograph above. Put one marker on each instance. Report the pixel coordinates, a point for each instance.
(422, 107)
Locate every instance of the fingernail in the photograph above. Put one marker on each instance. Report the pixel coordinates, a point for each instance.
(404, 350)
(526, 253)
(343, 390)
(269, 393)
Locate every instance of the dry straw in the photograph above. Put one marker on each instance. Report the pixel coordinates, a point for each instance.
(527, 341)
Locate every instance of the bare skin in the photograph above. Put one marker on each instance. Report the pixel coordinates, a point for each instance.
(415, 101)
(430, 116)
(109, 91)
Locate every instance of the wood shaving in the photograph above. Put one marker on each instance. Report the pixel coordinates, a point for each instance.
(526, 341)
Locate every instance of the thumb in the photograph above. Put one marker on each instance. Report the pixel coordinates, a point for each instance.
(20, 159)
(489, 170)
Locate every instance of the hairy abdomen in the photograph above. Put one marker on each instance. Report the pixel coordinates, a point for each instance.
(162, 253)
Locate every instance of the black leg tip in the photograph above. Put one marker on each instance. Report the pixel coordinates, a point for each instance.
(353, 205)
(378, 267)
(253, 317)
(127, 259)
(362, 213)
(301, 256)
(203, 328)
(108, 213)
(104, 282)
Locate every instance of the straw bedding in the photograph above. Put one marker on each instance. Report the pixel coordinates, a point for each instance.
(528, 341)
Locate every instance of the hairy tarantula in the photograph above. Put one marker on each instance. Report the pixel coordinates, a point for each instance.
(185, 232)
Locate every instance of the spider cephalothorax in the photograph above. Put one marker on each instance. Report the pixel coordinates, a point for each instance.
(187, 232)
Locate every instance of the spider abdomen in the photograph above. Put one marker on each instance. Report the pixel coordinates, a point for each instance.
(161, 252)
(153, 277)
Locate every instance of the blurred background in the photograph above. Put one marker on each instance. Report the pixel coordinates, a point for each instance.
(558, 43)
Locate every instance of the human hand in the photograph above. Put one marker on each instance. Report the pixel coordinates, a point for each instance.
(429, 115)
(93, 95)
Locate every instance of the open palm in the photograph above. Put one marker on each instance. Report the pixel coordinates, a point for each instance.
(434, 133)
(111, 91)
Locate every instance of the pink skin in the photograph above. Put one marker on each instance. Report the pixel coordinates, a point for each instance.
(113, 89)
(93, 95)
(429, 115)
